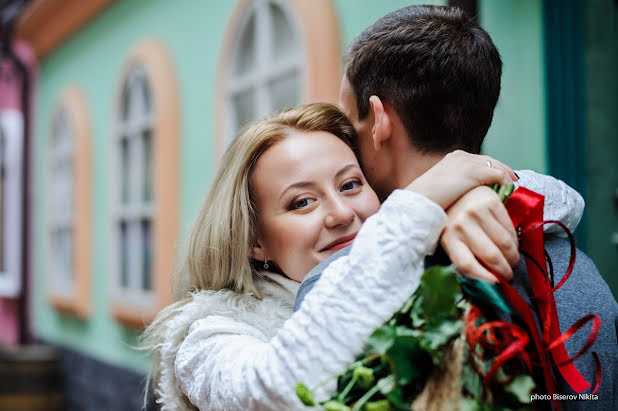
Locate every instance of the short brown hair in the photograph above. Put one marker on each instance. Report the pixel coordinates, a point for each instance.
(436, 67)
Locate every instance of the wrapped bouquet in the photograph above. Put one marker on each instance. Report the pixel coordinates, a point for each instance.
(467, 344)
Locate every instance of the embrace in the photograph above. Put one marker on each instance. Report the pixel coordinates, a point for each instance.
(364, 192)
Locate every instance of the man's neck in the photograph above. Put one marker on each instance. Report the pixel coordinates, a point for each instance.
(412, 163)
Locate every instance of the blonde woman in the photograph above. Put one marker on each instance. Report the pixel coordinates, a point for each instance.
(290, 193)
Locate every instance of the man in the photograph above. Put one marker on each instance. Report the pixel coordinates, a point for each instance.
(424, 81)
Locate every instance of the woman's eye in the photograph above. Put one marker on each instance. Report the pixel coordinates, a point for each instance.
(299, 204)
(351, 185)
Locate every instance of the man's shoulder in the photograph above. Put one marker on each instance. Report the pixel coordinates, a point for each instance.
(585, 279)
(584, 292)
(314, 275)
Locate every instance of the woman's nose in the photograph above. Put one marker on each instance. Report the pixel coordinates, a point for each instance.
(339, 213)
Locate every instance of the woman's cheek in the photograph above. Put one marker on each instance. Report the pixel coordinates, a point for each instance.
(368, 207)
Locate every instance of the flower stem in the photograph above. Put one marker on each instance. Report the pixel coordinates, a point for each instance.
(382, 383)
(347, 389)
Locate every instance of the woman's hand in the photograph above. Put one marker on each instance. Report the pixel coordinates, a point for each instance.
(457, 173)
(479, 236)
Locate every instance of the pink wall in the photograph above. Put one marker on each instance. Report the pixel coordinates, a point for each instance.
(10, 98)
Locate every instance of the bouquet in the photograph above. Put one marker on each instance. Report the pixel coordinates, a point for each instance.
(463, 343)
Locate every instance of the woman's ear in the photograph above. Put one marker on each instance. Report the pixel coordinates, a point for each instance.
(382, 127)
(257, 252)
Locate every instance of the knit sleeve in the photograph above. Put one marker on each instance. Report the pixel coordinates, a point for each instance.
(562, 202)
(226, 364)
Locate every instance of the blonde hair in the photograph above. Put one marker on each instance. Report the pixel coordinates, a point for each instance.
(226, 227)
(218, 251)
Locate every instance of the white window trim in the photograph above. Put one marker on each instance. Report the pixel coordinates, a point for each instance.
(12, 124)
(265, 72)
(132, 212)
(56, 219)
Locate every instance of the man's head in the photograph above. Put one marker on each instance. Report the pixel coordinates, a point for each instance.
(435, 68)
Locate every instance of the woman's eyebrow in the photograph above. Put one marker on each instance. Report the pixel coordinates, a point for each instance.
(345, 169)
(303, 184)
(300, 184)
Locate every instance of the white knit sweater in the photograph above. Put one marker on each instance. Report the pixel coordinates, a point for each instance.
(225, 351)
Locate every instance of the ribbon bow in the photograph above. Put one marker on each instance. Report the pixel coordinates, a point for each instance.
(525, 208)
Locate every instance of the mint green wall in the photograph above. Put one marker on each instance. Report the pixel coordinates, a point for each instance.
(93, 59)
(518, 136)
(193, 31)
(355, 16)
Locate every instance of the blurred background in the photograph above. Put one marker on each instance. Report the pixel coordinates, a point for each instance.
(114, 114)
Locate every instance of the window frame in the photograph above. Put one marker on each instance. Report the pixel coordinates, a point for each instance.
(77, 300)
(130, 210)
(12, 129)
(137, 309)
(266, 70)
(318, 30)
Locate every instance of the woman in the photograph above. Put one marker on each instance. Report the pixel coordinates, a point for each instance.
(289, 193)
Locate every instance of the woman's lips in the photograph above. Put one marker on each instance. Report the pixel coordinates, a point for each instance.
(340, 243)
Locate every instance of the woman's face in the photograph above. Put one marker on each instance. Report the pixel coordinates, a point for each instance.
(311, 199)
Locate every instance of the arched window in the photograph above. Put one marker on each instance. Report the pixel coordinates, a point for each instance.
(266, 70)
(61, 177)
(144, 186)
(68, 205)
(134, 206)
(277, 54)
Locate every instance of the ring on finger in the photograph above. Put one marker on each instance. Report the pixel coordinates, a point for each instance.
(489, 164)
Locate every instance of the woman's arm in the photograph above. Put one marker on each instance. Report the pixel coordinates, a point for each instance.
(226, 364)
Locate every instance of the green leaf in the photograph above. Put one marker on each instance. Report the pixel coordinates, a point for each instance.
(387, 386)
(305, 394)
(381, 405)
(408, 304)
(521, 387)
(485, 294)
(401, 356)
(470, 404)
(440, 291)
(470, 379)
(437, 336)
(396, 398)
(403, 331)
(381, 339)
(417, 315)
(335, 406)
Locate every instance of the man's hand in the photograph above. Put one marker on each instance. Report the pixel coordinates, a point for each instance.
(479, 234)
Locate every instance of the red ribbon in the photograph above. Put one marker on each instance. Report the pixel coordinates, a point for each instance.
(509, 344)
(525, 208)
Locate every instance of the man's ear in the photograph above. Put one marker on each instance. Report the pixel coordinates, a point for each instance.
(257, 252)
(382, 127)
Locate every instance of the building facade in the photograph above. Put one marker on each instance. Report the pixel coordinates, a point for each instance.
(135, 101)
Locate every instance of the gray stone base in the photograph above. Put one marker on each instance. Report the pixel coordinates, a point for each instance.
(92, 385)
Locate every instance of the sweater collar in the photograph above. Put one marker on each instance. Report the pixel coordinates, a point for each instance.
(278, 286)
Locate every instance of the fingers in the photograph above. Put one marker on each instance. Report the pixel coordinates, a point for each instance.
(487, 170)
(479, 235)
(496, 174)
(467, 265)
(505, 239)
(500, 165)
(483, 248)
